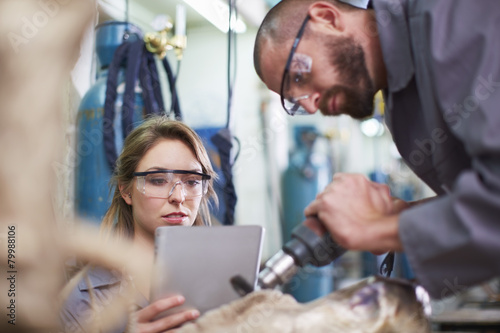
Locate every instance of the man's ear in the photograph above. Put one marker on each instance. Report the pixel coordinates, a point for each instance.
(126, 195)
(327, 15)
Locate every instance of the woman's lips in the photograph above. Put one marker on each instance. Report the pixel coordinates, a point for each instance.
(175, 218)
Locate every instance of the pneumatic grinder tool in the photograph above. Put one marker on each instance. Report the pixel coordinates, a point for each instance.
(310, 243)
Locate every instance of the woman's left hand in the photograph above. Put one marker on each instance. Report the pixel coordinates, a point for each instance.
(146, 322)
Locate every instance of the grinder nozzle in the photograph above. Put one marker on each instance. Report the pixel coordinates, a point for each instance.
(310, 244)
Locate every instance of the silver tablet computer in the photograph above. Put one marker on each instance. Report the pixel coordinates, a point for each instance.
(198, 263)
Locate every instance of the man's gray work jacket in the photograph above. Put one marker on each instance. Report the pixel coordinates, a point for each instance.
(443, 110)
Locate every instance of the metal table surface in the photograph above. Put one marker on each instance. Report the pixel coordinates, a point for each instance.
(468, 319)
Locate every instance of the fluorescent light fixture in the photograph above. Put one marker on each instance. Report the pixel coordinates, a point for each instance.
(217, 13)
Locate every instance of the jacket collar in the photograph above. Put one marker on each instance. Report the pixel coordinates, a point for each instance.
(102, 278)
(99, 277)
(395, 42)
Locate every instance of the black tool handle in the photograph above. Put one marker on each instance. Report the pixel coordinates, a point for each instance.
(312, 244)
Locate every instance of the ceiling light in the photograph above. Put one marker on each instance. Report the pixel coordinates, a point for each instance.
(217, 13)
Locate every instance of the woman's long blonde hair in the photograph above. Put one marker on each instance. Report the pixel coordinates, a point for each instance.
(118, 218)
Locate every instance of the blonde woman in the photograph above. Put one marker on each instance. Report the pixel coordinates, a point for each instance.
(163, 177)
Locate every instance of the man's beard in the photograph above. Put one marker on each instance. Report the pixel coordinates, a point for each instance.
(357, 88)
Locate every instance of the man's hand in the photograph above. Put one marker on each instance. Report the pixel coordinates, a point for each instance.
(359, 214)
(145, 317)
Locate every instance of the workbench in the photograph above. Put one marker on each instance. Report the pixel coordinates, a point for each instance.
(478, 320)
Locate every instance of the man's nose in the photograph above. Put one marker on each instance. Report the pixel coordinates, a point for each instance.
(311, 104)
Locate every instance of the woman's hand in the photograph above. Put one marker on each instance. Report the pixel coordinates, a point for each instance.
(145, 318)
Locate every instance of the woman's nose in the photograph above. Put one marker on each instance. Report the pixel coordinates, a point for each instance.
(177, 193)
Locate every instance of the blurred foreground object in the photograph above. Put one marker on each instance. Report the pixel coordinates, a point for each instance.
(41, 47)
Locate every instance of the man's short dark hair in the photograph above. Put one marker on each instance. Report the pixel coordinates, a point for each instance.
(282, 23)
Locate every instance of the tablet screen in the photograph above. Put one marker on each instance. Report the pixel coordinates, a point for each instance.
(199, 262)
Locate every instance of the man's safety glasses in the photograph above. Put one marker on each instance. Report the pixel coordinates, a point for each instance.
(162, 183)
(294, 77)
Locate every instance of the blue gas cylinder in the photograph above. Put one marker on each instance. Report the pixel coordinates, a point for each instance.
(93, 172)
(308, 173)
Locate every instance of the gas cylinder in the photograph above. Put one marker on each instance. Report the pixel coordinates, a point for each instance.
(308, 173)
(93, 172)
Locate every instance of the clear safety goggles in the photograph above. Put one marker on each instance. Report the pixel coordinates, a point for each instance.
(162, 183)
(295, 78)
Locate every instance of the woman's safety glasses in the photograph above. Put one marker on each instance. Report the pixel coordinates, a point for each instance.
(162, 183)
